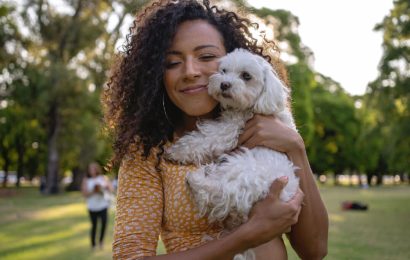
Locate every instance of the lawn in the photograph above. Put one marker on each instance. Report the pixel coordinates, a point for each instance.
(33, 226)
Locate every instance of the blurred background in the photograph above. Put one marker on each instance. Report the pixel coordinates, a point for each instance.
(55, 57)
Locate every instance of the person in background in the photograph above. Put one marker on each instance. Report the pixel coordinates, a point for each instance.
(97, 188)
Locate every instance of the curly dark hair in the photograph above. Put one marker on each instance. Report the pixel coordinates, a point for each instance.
(134, 93)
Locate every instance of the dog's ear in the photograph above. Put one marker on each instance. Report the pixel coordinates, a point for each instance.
(275, 94)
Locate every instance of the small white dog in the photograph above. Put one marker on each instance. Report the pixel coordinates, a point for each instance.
(226, 186)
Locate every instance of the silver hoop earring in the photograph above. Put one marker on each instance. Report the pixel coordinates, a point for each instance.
(165, 111)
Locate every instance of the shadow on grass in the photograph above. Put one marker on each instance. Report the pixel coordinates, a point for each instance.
(39, 233)
(48, 227)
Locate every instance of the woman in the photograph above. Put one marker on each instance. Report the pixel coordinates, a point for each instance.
(96, 188)
(157, 93)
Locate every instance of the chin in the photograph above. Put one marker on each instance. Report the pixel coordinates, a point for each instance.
(201, 110)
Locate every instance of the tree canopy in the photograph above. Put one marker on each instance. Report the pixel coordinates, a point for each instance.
(54, 62)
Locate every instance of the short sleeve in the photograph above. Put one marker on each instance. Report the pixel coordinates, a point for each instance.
(139, 208)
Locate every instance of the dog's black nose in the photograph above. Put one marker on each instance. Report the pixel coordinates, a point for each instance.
(225, 86)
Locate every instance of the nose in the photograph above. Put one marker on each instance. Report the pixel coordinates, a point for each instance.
(225, 86)
(191, 69)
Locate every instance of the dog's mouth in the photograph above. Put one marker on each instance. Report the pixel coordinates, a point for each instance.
(226, 95)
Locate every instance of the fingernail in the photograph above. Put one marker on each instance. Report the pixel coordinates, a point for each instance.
(284, 178)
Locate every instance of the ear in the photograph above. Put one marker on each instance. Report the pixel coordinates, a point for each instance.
(275, 94)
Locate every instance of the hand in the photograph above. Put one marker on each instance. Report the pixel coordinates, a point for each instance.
(97, 188)
(272, 217)
(270, 132)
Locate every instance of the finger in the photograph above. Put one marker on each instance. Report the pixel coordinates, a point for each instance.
(295, 217)
(251, 123)
(297, 199)
(258, 119)
(252, 142)
(244, 137)
(277, 186)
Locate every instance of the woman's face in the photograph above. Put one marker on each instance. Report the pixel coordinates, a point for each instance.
(191, 59)
(93, 169)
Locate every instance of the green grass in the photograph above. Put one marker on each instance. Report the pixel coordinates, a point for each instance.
(33, 226)
(380, 233)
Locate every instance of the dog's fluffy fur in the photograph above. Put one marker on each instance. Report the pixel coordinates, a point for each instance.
(226, 186)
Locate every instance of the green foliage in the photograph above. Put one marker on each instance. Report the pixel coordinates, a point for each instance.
(302, 80)
(51, 80)
(55, 86)
(389, 95)
(285, 27)
(336, 128)
(324, 113)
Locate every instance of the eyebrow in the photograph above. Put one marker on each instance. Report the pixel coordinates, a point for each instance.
(200, 47)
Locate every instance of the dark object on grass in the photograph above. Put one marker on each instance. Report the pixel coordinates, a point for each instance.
(354, 205)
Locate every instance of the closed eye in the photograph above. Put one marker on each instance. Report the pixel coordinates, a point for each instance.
(170, 65)
(207, 57)
(246, 76)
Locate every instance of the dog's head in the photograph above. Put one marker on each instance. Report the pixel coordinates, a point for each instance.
(247, 81)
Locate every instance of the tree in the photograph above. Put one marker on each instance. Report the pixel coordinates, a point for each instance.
(337, 128)
(389, 94)
(15, 119)
(63, 69)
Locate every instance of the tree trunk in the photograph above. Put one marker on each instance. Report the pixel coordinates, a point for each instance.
(20, 160)
(401, 175)
(6, 172)
(369, 179)
(78, 175)
(336, 182)
(7, 161)
(360, 179)
(379, 179)
(52, 186)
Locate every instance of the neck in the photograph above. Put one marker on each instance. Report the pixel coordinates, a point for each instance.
(189, 122)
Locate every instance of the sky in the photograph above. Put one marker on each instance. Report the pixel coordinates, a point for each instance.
(340, 34)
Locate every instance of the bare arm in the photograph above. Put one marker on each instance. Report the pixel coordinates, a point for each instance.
(84, 189)
(108, 184)
(225, 248)
(309, 236)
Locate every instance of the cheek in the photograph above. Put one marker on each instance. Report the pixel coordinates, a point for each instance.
(210, 68)
(169, 80)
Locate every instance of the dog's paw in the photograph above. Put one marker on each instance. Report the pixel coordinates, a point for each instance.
(169, 155)
(177, 154)
(182, 154)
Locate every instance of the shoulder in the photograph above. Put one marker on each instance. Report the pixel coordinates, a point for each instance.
(135, 161)
(135, 155)
(85, 180)
(104, 177)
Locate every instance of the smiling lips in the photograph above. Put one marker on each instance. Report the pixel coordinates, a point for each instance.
(194, 89)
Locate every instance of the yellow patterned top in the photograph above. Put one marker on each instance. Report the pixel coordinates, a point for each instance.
(150, 204)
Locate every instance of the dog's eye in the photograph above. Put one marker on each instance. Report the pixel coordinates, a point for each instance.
(246, 76)
(223, 71)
